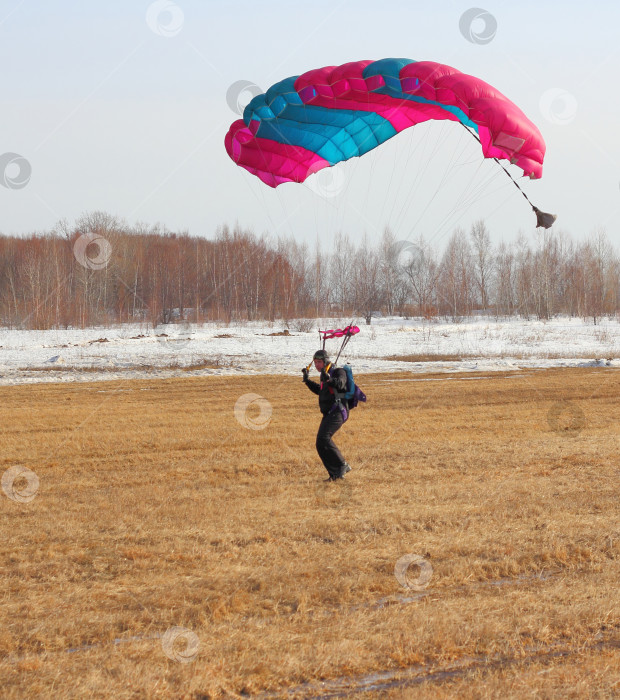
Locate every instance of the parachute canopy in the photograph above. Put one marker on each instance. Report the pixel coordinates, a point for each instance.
(339, 332)
(313, 121)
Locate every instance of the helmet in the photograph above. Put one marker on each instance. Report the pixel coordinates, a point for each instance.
(321, 355)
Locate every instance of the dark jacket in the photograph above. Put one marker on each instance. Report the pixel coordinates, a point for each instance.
(325, 390)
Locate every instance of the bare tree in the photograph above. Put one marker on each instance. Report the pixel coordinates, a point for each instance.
(421, 271)
(160, 275)
(504, 281)
(368, 287)
(394, 287)
(596, 257)
(482, 254)
(341, 268)
(455, 285)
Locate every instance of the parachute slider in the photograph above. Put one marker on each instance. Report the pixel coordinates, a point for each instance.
(339, 332)
(344, 333)
(544, 220)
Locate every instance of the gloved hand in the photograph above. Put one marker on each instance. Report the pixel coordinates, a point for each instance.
(304, 371)
(325, 378)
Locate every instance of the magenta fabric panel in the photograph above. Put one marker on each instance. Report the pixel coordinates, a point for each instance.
(274, 163)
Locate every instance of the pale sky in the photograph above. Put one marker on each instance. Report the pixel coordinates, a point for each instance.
(121, 106)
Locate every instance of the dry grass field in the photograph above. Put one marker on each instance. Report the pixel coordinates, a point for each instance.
(166, 544)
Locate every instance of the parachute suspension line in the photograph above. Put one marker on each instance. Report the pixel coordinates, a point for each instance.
(373, 165)
(428, 151)
(483, 191)
(418, 172)
(286, 213)
(421, 166)
(314, 194)
(315, 213)
(342, 347)
(449, 219)
(261, 199)
(388, 189)
(473, 189)
(345, 341)
(472, 192)
(460, 207)
(459, 153)
(265, 206)
(445, 176)
(412, 148)
(499, 206)
(462, 204)
(335, 200)
(345, 333)
(542, 219)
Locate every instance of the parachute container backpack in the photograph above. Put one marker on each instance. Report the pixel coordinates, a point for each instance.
(308, 122)
(351, 397)
(353, 394)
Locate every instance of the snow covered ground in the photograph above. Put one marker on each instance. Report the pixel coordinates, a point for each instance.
(139, 351)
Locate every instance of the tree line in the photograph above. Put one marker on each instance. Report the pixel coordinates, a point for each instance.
(102, 271)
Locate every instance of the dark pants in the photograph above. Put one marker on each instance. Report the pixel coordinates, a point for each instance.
(328, 452)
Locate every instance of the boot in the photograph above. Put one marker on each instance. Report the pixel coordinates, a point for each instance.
(345, 470)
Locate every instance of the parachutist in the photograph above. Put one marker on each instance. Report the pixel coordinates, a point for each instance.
(338, 394)
(333, 379)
